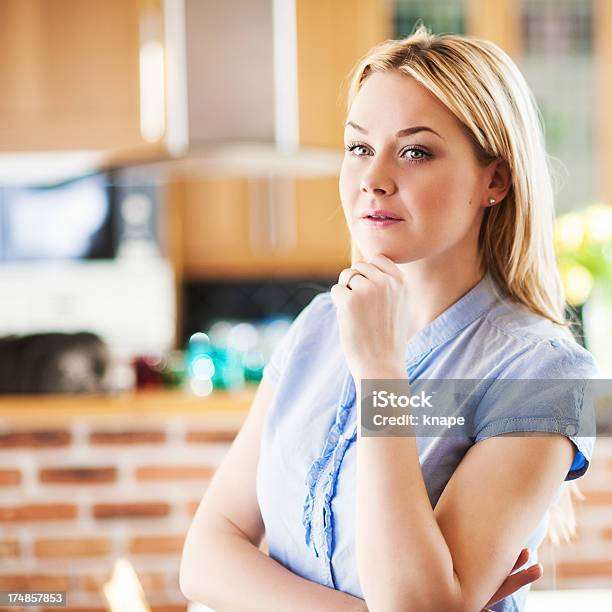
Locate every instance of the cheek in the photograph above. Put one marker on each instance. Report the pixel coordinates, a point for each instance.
(446, 195)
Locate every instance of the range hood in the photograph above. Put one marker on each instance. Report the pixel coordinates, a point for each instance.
(232, 89)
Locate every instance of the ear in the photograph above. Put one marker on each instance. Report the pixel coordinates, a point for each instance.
(500, 181)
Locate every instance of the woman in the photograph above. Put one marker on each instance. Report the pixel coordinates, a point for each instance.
(447, 194)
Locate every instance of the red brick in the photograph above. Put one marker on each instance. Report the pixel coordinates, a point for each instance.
(34, 582)
(34, 439)
(9, 478)
(157, 545)
(584, 569)
(160, 472)
(211, 435)
(152, 582)
(169, 608)
(71, 547)
(131, 510)
(127, 437)
(37, 512)
(79, 475)
(9, 549)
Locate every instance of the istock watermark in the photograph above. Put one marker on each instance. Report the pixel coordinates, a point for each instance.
(478, 408)
(384, 399)
(388, 399)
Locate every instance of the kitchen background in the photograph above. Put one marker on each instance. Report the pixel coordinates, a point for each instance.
(168, 203)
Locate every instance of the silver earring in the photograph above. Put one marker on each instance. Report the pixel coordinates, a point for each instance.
(491, 201)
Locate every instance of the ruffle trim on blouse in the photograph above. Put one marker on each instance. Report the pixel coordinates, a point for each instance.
(333, 453)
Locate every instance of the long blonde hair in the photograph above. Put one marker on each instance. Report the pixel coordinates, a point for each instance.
(483, 88)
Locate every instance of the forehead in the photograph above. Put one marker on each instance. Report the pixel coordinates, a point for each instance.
(390, 101)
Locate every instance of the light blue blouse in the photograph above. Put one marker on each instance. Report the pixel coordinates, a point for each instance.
(307, 465)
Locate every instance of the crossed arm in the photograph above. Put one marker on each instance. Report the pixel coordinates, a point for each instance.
(453, 557)
(223, 568)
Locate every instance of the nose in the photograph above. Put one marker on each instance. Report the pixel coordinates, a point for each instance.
(376, 181)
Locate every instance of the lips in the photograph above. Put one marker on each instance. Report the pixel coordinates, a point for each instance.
(382, 214)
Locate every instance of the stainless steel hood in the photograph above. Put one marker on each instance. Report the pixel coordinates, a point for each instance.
(232, 89)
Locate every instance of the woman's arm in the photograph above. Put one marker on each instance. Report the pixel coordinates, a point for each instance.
(454, 557)
(221, 565)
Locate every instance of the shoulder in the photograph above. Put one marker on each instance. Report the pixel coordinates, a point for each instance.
(528, 345)
(318, 316)
(539, 384)
(314, 323)
(317, 325)
(322, 304)
(317, 312)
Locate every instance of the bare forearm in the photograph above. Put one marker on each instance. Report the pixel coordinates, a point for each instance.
(392, 508)
(235, 575)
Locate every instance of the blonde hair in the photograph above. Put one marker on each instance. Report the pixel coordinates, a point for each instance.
(483, 88)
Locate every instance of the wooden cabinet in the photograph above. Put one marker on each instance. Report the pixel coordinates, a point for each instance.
(238, 227)
(331, 38)
(69, 74)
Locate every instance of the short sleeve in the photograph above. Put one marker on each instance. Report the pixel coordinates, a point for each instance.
(284, 349)
(544, 390)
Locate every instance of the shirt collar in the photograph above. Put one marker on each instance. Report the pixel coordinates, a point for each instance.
(472, 305)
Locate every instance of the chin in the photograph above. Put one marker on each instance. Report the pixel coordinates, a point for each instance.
(396, 255)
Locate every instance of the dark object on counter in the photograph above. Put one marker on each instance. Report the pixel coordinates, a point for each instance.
(249, 300)
(159, 371)
(53, 363)
(148, 372)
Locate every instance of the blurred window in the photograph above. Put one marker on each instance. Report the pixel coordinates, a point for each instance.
(557, 61)
(441, 16)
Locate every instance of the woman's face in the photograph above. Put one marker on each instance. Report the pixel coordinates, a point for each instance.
(407, 155)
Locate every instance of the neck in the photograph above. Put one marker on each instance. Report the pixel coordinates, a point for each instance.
(436, 283)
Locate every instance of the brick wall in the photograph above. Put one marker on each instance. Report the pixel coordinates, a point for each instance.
(78, 491)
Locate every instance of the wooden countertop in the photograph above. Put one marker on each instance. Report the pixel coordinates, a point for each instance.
(154, 401)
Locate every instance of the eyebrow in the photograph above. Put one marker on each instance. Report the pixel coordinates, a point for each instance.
(404, 132)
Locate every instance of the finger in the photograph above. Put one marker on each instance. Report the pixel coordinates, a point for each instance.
(352, 278)
(339, 294)
(516, 581)
(386, 265)
(521, 560)
(346, 276)
(370, 271)
(359, 282)
(526, 576)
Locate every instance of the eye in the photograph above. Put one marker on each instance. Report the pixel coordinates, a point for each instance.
(352, 146)
(421, 154)
(417, 154)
